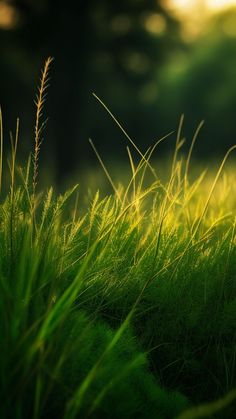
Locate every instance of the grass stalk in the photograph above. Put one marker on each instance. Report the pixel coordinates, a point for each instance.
(39, 122)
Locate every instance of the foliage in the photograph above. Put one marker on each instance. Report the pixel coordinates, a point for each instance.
(126, 307)
(200, 82)
(106, 46)
(98, 309)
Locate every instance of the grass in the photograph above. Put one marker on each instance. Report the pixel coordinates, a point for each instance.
(125, 309)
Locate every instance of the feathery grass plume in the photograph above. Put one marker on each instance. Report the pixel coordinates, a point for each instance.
(39, 123)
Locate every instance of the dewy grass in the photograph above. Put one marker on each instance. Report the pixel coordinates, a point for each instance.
(127, 309)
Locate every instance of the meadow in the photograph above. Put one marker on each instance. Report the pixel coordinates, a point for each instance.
(124, 307)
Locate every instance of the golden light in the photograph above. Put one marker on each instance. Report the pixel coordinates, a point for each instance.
(195, 14)
(8, 16)
(154, 23)
(220, 4)
(189, 5)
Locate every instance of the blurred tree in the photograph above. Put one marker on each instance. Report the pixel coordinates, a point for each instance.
(115, 48)
(201, 83)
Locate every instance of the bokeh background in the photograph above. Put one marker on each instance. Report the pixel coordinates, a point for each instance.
(148, 60)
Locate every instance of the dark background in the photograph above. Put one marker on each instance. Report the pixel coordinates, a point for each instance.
(132, 54)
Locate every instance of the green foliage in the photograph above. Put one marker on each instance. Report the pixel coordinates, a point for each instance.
(126, 308)
(187, 83)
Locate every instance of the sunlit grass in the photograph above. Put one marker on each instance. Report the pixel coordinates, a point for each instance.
(125, 308)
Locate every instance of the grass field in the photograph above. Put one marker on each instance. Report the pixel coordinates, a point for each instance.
(125, 308)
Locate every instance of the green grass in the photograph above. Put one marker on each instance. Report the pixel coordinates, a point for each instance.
(126, 308)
